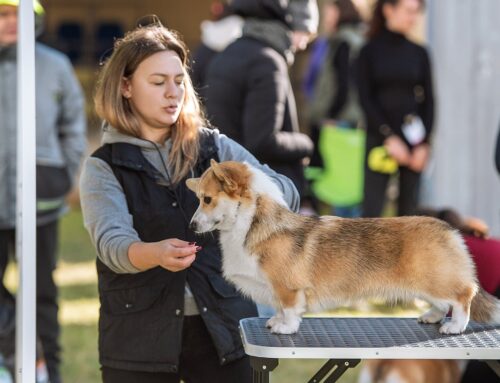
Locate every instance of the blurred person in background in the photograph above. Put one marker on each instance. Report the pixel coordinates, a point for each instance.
(216, 35)
(395, 89)
(330, 84)
(331, 78)
(249, 96)
(60, 143)
(166, 311)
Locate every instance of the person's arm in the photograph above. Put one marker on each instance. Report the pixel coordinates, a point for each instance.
(109, 223)
(229, 150)
(264, 111)
(340, 67)
(427, 106)
(376, 122)
(71, 121)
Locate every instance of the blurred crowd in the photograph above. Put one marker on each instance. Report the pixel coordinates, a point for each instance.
(364, 142)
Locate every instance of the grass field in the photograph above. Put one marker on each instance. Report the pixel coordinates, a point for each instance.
(79, 307)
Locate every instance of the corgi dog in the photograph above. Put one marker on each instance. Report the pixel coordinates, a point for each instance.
(296, 263)
(411, 371)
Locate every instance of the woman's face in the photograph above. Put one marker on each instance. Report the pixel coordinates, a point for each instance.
(8, 25)
(156, 93)
(402, 16)
(329, 18)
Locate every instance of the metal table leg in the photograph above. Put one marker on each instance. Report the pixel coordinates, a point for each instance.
(261, 368)
(337, 367)
(494, 365)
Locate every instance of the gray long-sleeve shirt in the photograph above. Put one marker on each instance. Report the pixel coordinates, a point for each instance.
(104, 206)
(60, 122)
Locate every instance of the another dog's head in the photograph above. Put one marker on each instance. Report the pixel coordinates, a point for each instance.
(222, 190)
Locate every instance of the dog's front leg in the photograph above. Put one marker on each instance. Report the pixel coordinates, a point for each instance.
(275, 319)
(287, 320)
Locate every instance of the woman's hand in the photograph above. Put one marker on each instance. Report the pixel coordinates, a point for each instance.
(397, 149)
(419, 158)
(172, 254)
(176, 255)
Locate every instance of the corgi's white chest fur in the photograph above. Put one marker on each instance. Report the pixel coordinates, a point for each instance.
(242, 268)
(238, 265)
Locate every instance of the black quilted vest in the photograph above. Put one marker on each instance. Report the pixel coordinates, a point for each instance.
(141, 315)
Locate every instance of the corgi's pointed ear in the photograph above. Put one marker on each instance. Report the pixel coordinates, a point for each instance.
(218, 172)
(192, 184)
(222, 176)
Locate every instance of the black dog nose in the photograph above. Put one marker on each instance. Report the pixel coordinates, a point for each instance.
(193, 226)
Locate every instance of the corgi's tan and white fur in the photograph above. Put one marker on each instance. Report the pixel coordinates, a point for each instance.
(297, 264)
(411, 371)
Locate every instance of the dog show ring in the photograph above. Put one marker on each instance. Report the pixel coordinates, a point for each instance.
(345, 341)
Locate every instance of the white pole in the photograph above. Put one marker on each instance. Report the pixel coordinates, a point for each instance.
(26, 196)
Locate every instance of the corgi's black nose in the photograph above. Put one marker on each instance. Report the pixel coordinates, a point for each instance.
(193, 226)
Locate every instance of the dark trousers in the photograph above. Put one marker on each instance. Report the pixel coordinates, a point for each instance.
(199, 362)
(46, 291)
(375, 187)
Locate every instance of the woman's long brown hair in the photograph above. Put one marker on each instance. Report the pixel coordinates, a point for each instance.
(112, 107)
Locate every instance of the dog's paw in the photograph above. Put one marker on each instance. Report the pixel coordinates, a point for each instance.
(285, 328)
(274, 321)
(431, 316)
(452, 327)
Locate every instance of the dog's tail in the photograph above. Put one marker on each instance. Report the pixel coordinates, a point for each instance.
(485, 308)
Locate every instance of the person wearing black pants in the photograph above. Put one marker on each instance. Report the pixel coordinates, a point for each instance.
(60, 144)
(46, 290)
(376, 185)
(395, 89)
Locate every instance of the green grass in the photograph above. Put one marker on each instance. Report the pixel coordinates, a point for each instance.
(79, 305)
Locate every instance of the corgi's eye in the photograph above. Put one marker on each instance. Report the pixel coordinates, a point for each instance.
(207, 200)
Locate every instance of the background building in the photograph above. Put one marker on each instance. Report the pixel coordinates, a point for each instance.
(464, 38)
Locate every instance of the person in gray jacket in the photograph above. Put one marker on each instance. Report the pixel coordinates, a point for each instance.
(60, 143)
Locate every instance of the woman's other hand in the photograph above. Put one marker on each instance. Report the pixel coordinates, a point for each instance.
(398, 150)
(419, 158)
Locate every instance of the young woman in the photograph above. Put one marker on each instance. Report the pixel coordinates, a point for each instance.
(395, 89)
(166, 311)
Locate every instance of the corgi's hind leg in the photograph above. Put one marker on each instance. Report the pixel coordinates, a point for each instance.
(436, 313)
(460, 312)
(293, 304)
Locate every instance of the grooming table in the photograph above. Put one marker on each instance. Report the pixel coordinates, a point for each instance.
(345, 341)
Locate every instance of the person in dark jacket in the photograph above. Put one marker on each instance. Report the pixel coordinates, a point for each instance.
(395, 89)
(333, 94)
(216, 35)
(331, 84)
(60, 144)
(166, 311)
(249, 96)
